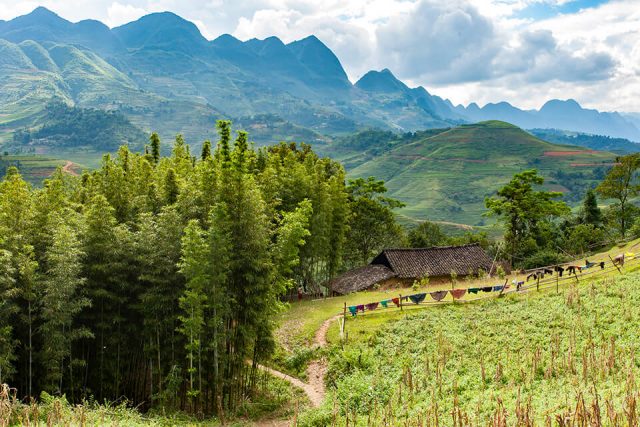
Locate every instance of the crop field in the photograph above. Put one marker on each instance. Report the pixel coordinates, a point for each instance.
(564, 358)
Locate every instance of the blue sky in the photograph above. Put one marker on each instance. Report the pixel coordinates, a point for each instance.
(521, 51)
(544, 10)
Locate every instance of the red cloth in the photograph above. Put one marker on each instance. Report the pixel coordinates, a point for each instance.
(457, 293)
(372, 306)
(396, 301)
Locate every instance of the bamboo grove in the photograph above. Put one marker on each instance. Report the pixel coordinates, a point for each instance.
(156, 279)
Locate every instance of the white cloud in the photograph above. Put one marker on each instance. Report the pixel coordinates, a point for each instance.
(467, 50)
(119, 14)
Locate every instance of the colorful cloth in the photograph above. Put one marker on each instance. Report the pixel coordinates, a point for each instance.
(396, 301)
(487, 289)
(372, 306)
(384, 303)
(457, 293)
(353, 310)
(498, 288)
(439, 295)
(474, 290)
(417, 298)
(360, 307)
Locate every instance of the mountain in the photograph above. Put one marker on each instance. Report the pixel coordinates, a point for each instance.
(446, 174)
(556, 114)
(164, 75)
(595, 142)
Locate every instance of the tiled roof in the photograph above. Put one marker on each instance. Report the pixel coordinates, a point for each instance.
(436, 261)
(360, 278)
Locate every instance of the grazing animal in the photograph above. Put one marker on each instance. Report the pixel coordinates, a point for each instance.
(619, 260)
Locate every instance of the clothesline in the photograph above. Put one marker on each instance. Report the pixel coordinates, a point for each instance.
(596, 268)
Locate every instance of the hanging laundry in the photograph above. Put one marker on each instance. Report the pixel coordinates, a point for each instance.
(457, 293)
(360, 307)
(602, 265)
(487, 289)
(372, 306)
(384, 303)
(573, 268)
(547, 271)
(498, 288)
(474, 290)
(353, 310)
(559, 269)
(588, 264)
(417, 298)
(439, 295)
(396, 301)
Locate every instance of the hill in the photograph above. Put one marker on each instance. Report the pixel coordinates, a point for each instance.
(446, 175)
(61, 127)
(165, 76)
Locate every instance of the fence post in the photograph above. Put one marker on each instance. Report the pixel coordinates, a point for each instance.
(557, 282)
(538, 282)
(400, 302)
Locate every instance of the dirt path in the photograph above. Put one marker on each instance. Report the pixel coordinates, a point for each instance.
(314, 389)
(67, 168)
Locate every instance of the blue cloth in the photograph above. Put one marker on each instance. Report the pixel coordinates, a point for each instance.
(353, 310)
(417, 298)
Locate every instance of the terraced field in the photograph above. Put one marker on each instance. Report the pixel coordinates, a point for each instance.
(446, 177)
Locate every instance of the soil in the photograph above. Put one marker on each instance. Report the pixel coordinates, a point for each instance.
(314, 389)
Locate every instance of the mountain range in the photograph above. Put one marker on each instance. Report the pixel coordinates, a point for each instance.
(163, 75)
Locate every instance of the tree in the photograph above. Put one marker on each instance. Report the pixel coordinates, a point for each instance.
(372, 223)
(155, 147)
(206, 150)
(591, 213)
(62, 300)
(7, 309)
(426, 235)
(194, 266)
(621, 184)
(525, 212)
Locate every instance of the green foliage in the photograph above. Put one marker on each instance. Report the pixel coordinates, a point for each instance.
(372, 226)
(621, 184)
(426, 235)
(63, 126)
(591, 213)
(526, 213)
(158, 278)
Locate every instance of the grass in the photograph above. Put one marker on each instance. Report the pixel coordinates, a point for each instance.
(525, 360)
(446, 177)
(275, 400)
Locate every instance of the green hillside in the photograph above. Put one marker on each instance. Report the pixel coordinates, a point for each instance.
(447, 176)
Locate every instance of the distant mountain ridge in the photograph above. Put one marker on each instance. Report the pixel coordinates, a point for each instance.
(164, 75)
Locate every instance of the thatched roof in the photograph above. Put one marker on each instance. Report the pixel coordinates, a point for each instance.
(436, 261)
(360, 278)
(413, 264)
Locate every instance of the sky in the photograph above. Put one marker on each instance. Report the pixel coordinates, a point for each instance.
(520, 51)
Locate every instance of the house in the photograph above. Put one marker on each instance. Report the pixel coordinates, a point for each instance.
(400, 267)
